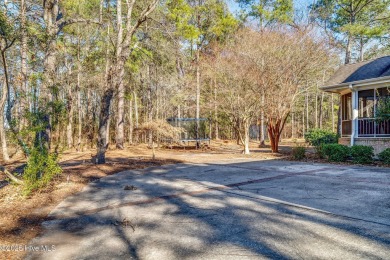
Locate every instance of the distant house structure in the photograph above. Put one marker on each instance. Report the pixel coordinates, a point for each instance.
(361, 86)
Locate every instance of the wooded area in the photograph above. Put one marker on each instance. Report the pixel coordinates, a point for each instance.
(89, 73)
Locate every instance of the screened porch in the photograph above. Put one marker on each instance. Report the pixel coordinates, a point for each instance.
(366, 103)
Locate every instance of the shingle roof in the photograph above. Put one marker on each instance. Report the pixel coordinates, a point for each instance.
(376, 68)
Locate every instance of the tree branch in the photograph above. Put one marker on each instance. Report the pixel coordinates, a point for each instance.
(11, 176)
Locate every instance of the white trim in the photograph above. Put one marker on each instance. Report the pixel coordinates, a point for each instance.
(355, 114)
(382, 81)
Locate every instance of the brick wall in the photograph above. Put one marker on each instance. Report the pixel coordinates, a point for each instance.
(378, 143)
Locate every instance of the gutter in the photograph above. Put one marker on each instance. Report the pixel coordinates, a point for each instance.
(358, 83)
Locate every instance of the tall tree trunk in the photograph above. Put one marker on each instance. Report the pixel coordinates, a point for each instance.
(197, 95)
(131, 126)
(348, 50)
(262, 136)
(136, 109)
(69, 127)
(215, 110)
(307, 111)
(3, 138)
(104, 118)
(10, 102)
(246, 137)
(292, 125)
(303, 121)
(149, 104)
(119, 135)
(2, 129)
(78, 90)
(80, 122)
(243, 125)
(136, 115)
(321, 109)
(361, 47)
(116, 74)
(51, 18)
(316, 108)
(23, 61)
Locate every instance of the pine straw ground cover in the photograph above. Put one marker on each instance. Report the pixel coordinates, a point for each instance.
(21, 218)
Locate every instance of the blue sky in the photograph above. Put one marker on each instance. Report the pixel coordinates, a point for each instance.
(299, 4)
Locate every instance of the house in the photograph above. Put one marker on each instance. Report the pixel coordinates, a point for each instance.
(361, 86)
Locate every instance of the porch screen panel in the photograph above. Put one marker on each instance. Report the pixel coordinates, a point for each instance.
(382, 127)
(346, 106)
(366, 103)
(366, 121)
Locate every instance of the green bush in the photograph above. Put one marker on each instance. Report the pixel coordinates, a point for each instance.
(318, 137)
(384, 156)
(41, 168)
(299, 152)
(335, 152)
(319, 151)
(362, 154)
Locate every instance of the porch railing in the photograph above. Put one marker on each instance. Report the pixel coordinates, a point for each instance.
(369, 127)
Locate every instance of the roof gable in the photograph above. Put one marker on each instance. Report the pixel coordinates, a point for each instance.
(371, 69)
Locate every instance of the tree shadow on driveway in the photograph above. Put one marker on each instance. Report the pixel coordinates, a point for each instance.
(203, 211)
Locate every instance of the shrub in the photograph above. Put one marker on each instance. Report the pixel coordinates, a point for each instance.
(299, 152)
(384, 156)
(318, 137)
(362, 154)
(335, 152)
(41, 168)
(319, 151)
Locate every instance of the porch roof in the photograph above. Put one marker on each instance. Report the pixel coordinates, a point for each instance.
(360, 74)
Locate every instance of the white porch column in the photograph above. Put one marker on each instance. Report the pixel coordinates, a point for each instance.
(355, 115)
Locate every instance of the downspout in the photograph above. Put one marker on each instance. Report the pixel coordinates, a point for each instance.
(354, 113)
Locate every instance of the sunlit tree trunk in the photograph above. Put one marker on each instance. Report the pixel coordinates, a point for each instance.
(262, 136)
(197, 94)
(316, 108)
(275, 128)
(307, 111)
(348, 50)
(321, 109)
(292, 125)
(23, 61)
(119, 135)
(2, 129)
(131, 123)
(69, 127)
(149, 103)
(78, 90)
(243, 133)
(216, 110)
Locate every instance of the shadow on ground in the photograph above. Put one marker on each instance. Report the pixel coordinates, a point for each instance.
(222, 211)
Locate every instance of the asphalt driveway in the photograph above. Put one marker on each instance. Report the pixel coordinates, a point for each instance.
(233, 209)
